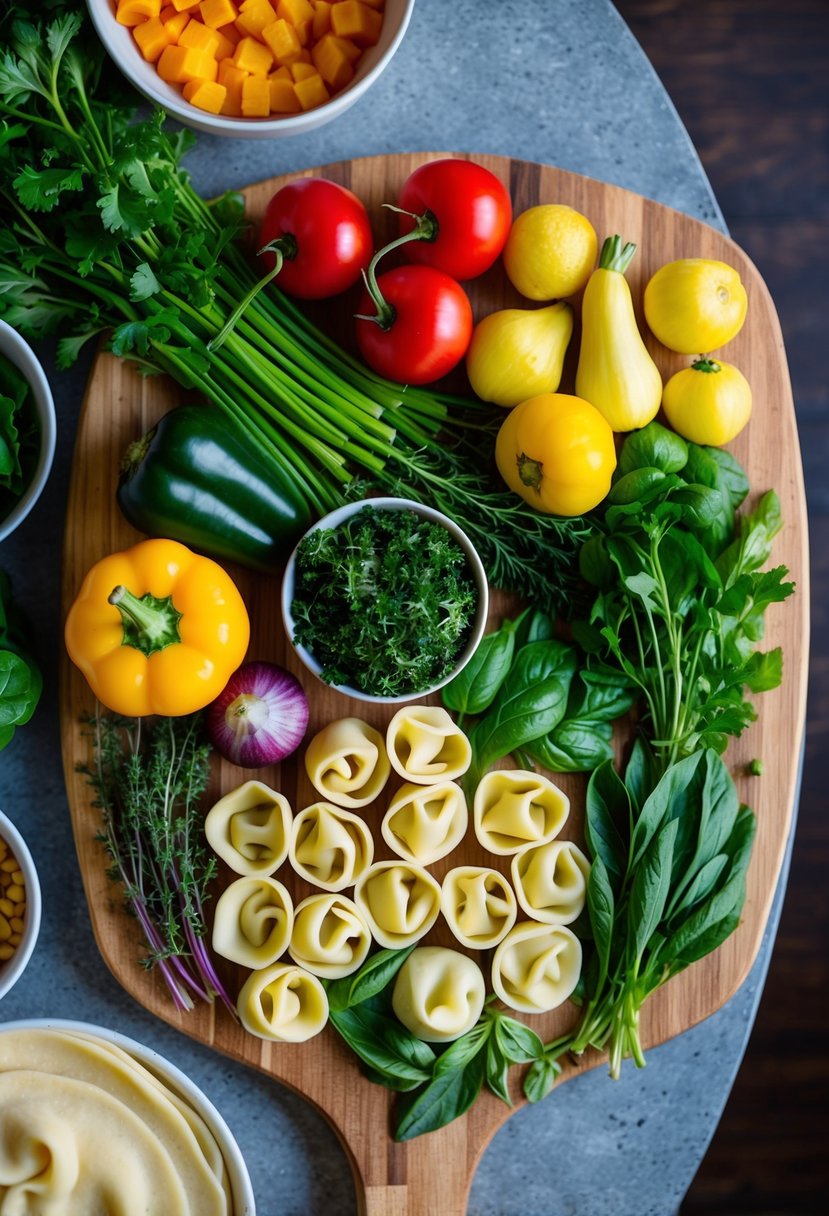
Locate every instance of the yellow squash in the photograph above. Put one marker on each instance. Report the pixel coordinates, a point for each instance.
(518, 353)
(708, 402)
(695, 305)
(615, 372)
(557, 452)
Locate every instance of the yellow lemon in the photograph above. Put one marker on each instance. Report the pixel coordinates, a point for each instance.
(695, 305)
(550, 252)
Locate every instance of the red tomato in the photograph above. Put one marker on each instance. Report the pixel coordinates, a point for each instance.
(472, 210)
(428, 330)
(324, 236)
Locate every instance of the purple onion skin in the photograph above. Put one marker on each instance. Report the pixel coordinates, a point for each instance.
(260, 717)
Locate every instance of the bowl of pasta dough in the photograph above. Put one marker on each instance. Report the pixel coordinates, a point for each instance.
(67, 1088)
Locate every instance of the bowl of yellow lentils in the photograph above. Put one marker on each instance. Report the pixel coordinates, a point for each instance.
(19, 905)
(251, 68)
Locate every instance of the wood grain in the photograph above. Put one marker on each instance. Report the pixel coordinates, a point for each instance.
(431, 1175)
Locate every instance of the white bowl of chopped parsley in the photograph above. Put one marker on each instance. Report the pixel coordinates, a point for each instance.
(385, 599)
(27, 429)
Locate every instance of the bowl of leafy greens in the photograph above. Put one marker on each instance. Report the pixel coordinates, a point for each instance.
(385, 599)
(27, 429)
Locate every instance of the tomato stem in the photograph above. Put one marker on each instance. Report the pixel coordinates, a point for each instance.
(282, 247)
(425, 229)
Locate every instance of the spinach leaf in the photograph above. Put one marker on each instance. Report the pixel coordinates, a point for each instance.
(608, 821)
(649, 891)
(474, 688)
(654, 446)
(21, 681)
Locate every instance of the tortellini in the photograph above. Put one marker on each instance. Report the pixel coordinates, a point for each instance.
(347, 762)
(331, 937)
(438, 994)
(249, 828)
(425, 745)
(479, 905)
(536, 967)
(515, 807)
(330, 846)
(424, 823)
(551, 881)
(399, 900)
(252, 922)
(283, 1002)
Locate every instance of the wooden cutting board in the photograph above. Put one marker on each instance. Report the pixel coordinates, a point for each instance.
(432, 1174)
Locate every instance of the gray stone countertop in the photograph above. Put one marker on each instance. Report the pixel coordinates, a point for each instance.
(557, 81)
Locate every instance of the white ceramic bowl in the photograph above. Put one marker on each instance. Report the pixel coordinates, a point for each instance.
(122, 48)
(18, 352)
(237, 1172)
(12, 969)
(333, 520)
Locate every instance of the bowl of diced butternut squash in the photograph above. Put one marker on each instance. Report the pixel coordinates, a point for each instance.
(252, 68)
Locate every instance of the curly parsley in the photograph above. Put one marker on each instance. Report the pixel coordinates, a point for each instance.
(384, 602)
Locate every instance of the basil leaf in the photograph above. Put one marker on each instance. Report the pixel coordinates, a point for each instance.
(445, 1098)
(497, 1072)
(533, 626)
(639, 775)
(649, 892)
(540, 1079)
(518, 1043)
(700, 886)
(459, 1053)
(384, 1046)
(374, 975)
(679, 790)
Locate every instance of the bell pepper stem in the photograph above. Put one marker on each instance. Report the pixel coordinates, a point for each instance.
(149, 623)
(425, 229)
(282, 247)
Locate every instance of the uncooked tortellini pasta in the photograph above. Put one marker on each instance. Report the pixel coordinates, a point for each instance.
(515, 807)
(438, 994)
(399, 900)
(252, 922)
(425, 822)
(331, 936)
(479, 905)
(283, 1002)
(347, 762)
(249, 828)
(425, 745)
(330, 846)
(536, 967)
(551, 881)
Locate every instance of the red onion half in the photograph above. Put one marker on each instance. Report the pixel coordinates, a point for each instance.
(260, 717)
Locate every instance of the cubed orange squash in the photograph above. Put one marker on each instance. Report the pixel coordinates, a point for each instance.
(256, 97)
(302, 71)
(229, 75)
(200, 37)
(283, 40)
(354, 20)
(152, 37)
(206, 94)
(230, 35)
(254, 15)
(350, 49)
(173, 22)
(253, 56)
(331, 63)
(216, 13)
(300, 14)
(322, 19)
(304, 56)
(311, 91)
(133, 12)
(198, 65)
(281, 73)
(283, 99)
(184, 6)
(171, 63)
(232, 106)
(378, 4)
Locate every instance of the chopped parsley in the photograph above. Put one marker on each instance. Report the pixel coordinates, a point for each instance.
(384, 602)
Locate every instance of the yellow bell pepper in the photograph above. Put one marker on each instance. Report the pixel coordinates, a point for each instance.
(157, 629)
(557, 452)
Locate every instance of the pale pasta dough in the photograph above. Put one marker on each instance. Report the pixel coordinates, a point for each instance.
(347, 763)
(438, 994)
(283, 1002)
(425, 745)
(551, 881)
(425, 822)
(330, 847)
(249, 828)
(515, 807)
(399, 900)
(536, 967)
(479, 905)
(252, 922)
(331, 937)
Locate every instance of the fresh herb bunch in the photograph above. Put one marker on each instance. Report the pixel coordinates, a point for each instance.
(681, 597)
(101, 230)
(21, 681)
(149, 778)
(19, 436)
(384, 601)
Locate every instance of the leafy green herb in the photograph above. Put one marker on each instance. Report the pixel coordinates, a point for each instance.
(384, 601)
(21, 682)
(101, 229)
(149, 781)
(19, 436)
